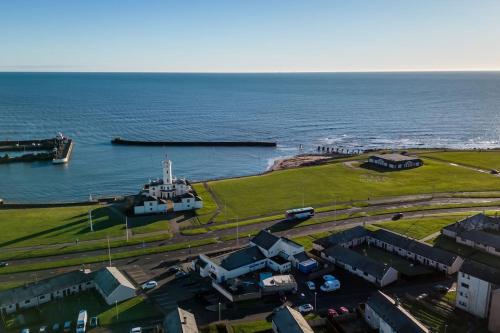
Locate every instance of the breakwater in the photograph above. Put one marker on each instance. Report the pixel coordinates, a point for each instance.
(57, 149)
(120, 141)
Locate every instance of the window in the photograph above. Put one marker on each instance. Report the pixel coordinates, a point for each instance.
(465, 285)
(42, 297)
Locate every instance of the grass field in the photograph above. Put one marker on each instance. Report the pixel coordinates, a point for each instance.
(481, 159)
(419, 228)
(325, 184)
(39, 226)
(209, 205)
(252, 327)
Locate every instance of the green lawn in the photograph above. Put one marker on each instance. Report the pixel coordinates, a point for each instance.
(209, 205)
(323, 185)
(443, 319)
(482, 159)
(252, 327)
(67, 309)
(419, 228)
(400, 264)
(39, 226)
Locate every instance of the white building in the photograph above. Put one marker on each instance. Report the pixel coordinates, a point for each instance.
(167, 194)
(113, 286)
(386, 315)
(264, 250)
(478, 292)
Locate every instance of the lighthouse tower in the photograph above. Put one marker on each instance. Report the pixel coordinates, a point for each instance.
(167, 171)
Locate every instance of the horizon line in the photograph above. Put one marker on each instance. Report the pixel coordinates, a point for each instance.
(260, 72)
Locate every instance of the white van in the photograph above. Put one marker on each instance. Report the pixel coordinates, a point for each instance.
(330, 285)
(81, 323)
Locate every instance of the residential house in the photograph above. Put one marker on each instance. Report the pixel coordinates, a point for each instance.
(288, 320)
(386, 315)
(365, 267)
(113, 286)
(180, 321)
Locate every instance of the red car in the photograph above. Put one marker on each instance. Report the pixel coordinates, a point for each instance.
(332, 313)
(343, 310)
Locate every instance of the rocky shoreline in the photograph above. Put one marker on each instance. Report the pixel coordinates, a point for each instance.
(303, 160)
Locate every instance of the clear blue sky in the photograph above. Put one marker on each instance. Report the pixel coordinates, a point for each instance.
(249, 35)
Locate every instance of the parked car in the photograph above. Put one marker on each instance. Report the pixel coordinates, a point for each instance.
(56, 327)
(43, 329)
(310, 285)
(181, 274)
(150, 285)
(4, 264)
(136, 330)
(67, 326)
(174, 269)
(441, 288)
(397, 216)
(94, 321)
(329, 277)
(25, 330)
(305, 308)
(343, 310)
(332, 313)
(330, 285)
(422, 296)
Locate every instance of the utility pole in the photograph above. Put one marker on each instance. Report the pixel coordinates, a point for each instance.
(90, 220)
(315, 293)
(126, 227)
(237, 232)
(116, 307)
(109, 252)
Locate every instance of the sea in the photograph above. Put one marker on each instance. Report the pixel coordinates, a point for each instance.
(342, 110)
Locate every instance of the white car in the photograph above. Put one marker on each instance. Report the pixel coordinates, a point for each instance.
(310, 285)
(150, 285)
(305, 308)
(330, 285)
(136, 330)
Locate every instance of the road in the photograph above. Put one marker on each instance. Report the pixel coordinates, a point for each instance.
(151, 261)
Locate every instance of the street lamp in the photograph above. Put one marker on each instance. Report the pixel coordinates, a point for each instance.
(315, 293)
(219, 312)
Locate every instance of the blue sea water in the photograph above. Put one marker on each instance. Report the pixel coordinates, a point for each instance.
(350, 110)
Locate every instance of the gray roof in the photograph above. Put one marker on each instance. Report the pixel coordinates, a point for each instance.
(301, 256)
(180, 321)
(342, 237)
(481, 271)
(43, 287)
(109, 278)
(482, 237)
(242, 257)
(265, 239)
(354, 259)
(396, 157)
(394, 315)
(478, 221)
(419, 248)
(288, 320)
